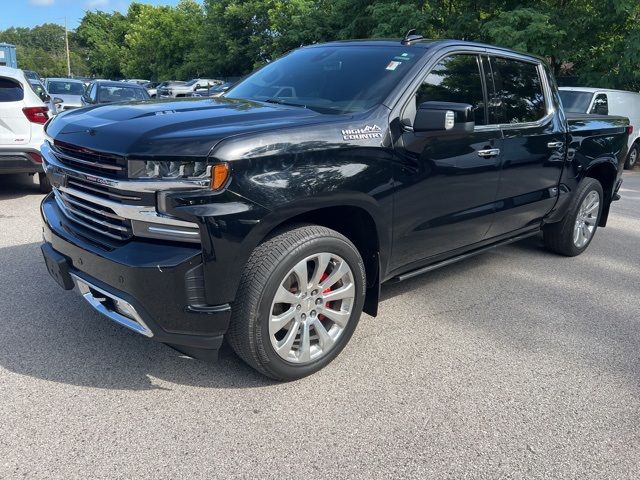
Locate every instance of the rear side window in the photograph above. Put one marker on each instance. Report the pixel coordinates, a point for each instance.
(518, 91)
(10, 90)
(455, 79)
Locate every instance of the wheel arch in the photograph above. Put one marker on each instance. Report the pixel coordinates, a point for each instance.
(358, 220)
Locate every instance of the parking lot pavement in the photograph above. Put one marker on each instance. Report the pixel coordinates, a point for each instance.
(514, 364)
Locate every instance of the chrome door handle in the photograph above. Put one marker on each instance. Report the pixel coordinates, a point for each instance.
(490, 152)
(555, 144)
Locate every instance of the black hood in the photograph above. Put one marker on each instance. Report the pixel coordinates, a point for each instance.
(186, 127)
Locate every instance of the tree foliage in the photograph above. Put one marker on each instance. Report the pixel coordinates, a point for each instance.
(596, 42)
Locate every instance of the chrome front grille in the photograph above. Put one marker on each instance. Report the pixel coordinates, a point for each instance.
(93, 216)
(101, 190)
(89, 160)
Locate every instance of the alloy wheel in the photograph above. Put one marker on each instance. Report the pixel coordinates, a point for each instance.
(587, 219)
(311, 308)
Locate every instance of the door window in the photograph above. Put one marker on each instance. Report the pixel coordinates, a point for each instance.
(519, 91)
(455, 79)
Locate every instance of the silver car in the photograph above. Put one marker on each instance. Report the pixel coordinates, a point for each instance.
(69, 91)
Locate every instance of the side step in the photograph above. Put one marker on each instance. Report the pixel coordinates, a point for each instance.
(459, 258)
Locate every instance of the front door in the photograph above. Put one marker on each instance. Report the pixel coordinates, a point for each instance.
(447, 182)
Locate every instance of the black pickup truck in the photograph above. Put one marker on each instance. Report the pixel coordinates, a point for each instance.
(271, 216)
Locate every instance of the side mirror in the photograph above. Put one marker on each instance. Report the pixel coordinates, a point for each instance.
(57, 100)
(600, 107)
(444, 117)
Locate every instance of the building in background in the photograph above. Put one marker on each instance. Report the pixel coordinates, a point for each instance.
(8, 55)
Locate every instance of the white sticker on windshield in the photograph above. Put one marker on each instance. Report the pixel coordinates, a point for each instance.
(393, 65)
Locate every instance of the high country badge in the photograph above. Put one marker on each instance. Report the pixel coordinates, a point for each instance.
(362, 133)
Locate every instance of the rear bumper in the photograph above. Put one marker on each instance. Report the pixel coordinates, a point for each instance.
(19, 161)
(148, 280)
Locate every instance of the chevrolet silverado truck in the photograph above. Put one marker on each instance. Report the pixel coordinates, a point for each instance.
(271, 216)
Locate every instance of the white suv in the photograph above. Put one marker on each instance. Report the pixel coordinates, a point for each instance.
(22, 118)
(186, 89)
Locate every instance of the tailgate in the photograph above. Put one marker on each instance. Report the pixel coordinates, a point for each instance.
(15, 128)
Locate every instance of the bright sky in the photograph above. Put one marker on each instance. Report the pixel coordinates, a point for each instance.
(29, 13)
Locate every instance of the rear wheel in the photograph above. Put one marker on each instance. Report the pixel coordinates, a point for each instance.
(574, 233)
(45, 184)
(299, 301)
(632, 157)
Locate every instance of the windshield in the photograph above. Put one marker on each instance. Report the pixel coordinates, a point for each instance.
(191, 82)
(66, 88)
(109, 94)
(575, 102)
(329, 79)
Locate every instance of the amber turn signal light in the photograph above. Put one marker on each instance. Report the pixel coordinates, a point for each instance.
(219, 175)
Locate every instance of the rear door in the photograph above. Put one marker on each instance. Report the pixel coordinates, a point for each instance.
(533, 144)
(15, 128)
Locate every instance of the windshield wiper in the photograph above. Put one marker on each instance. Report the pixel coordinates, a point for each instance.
(279, 101)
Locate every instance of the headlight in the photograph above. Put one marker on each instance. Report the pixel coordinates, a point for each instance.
(170, 170)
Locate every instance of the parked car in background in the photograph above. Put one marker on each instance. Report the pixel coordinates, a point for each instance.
(31, 75)
(215, 91)
(186, 89)
(602, 101)
(152, 88)
(137, 81)
(41, 91)
(164, 87)
(272, 215)
(68, 90)
(107, 91)
(22, 117)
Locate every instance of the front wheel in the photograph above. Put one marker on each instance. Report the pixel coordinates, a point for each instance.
(573, 234)
(299, 301)
(632, 157)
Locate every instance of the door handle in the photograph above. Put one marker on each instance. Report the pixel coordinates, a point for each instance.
(490, 152)
(555, 144)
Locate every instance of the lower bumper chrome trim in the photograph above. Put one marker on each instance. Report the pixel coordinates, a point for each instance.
(100, 299)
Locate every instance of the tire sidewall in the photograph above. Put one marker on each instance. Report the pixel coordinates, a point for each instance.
(270, 359)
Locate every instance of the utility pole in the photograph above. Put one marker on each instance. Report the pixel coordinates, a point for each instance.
(66, 45)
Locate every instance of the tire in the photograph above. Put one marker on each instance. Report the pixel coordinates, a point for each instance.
(561, 237)
(253, 333)
(632, 157)
(45, 184)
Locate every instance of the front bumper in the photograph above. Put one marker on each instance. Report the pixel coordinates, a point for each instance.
(19, 161)
(155, 280)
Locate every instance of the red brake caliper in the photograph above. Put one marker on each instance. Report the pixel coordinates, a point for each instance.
(326, 290)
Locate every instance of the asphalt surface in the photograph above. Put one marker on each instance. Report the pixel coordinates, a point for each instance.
(515, 364)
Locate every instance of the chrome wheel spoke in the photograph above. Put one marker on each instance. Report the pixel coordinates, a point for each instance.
(304, 354)
(285, 296)
(338, 272)
(324, 338)
(587, 219)
(591, 221)
(302, 274)
(322, 262)
(284, 347)
(346, 291)
(279, 322)
(339, 317)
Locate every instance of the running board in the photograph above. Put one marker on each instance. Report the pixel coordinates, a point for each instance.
(464, 256)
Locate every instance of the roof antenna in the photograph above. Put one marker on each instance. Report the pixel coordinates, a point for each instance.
(411, 36)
